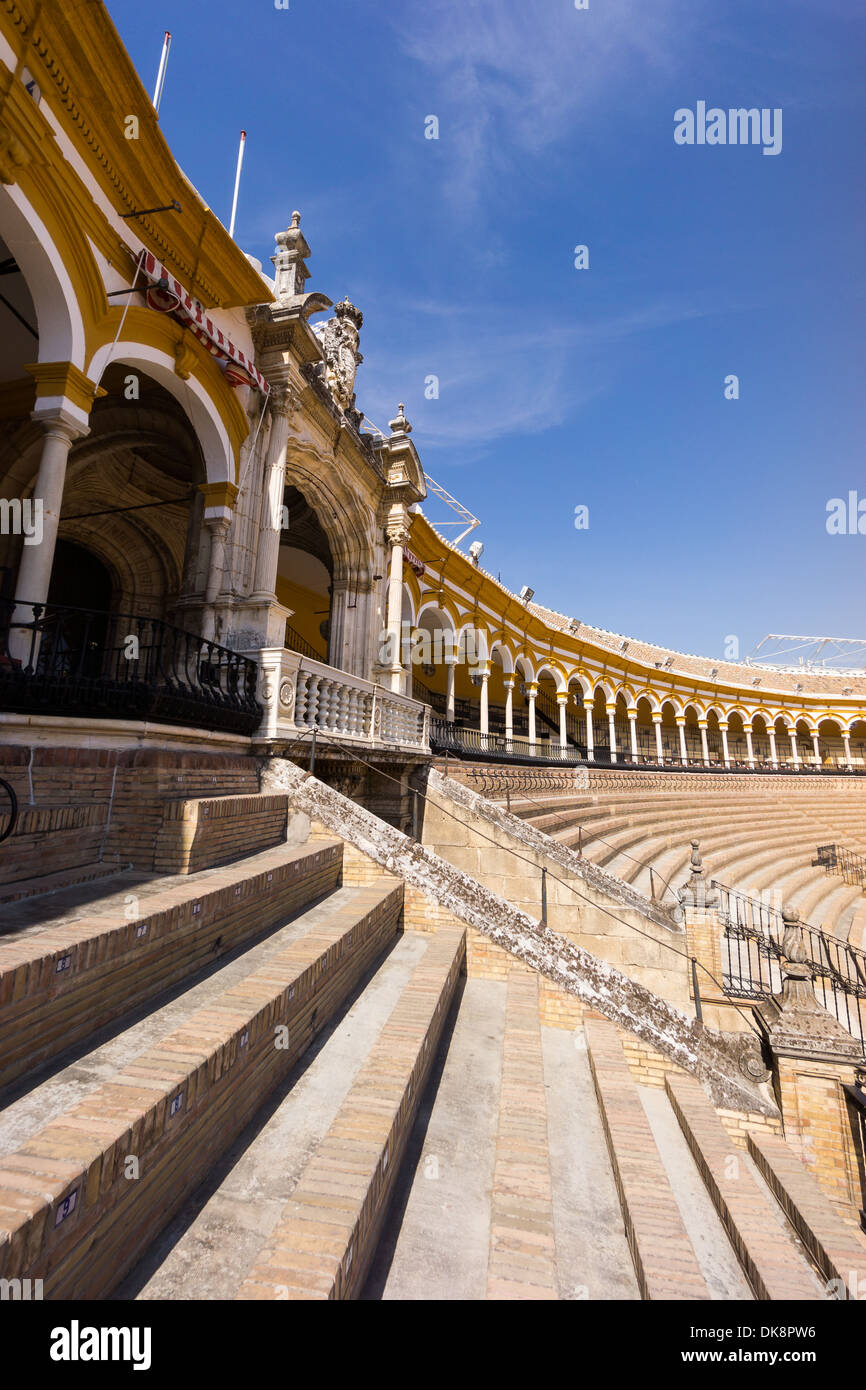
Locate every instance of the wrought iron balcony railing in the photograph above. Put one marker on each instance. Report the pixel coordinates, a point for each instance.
(846, 862)
(57, 660)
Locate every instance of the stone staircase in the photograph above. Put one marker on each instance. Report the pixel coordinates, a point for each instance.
(334, 1068)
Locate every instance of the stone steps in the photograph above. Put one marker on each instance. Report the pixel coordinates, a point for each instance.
(74, 1214)
(63, 977)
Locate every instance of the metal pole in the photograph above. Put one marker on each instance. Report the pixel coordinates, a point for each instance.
(580, 840)
(160, 77)
(237, 183)
(414, 815)
(508, 797)
(543, 897)
(652, 887)
(313, 752)
(696, 990)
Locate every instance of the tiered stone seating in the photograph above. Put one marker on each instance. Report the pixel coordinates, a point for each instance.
(761, 842)
(271, 1082)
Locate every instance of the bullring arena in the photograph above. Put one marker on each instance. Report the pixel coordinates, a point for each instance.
(369, 931)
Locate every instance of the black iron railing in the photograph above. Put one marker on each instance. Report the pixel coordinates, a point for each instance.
(846, 862)
(451, 738)
(753, 955)
(296, 643)
(77, 661)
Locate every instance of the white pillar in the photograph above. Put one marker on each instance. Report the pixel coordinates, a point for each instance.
(397, 536)
(611, 724)
(660, 752)
(705, 751)
(271, 516)
(450, 669)
(37, 561)
(562, 701)
(531, 692)
(484, 721)
(681, 725)
(795, 752)
(749, 749)
(723, 729)
(590, 745)
(846, 740)
(816, 744)
(218, 527)
(771, 735)
(509, 707)
(632, 730)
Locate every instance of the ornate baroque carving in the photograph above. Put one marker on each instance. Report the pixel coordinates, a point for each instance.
(340, 339)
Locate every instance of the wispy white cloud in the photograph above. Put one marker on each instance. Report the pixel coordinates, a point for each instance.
(498, 379)
(510, 79)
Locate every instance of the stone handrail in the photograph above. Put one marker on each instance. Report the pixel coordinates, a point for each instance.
(300, 694)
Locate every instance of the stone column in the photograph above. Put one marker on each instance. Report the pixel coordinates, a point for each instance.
(562, 701)
(398, 535)
(450, 668)
(816, 744)
(750, 752)
(484, 713)
(531, 692)
(795, 752)
(681, 725)
(509, 707)
(771, 735)
(282, 403)
(611, 724)
(705, 751)
(62, 427)
(723, 730)
(846, 742)
(660, 752)
(219, 529)
(632, 731)
(590, 744)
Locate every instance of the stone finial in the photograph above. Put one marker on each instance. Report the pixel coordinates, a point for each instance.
(400, 425)
(695, 891)
(802, 1027)
(289, 260)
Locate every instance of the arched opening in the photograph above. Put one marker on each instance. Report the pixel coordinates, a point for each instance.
(645, 731)
(694, 752)
(737, 750)
(434, 650)
(305, 576)
(714, 738)
(830, 744)
(857, 742)
(670, 733)
(784, 751)
(760, 741)
(547, 710)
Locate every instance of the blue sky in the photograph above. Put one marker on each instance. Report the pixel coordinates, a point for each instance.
(601, 387)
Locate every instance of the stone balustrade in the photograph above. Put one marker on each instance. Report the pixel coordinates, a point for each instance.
(299, 694)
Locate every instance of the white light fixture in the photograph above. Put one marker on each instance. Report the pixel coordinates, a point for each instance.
(476, 550)
(526, 593)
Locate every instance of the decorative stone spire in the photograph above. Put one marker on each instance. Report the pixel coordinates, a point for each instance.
(291, 273)
(803, 1027)
(696, 891)
(340, 338)
(400, 425)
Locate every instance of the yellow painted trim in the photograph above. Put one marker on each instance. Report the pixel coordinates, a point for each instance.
(64, 379)
(219, 494)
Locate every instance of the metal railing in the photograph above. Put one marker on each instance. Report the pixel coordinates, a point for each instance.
(847, 862)
(57, 660)
(451, 738)
(296, 643)
(753, 955)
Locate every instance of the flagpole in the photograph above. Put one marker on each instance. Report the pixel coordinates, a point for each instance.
(237, 183)
(160, 76)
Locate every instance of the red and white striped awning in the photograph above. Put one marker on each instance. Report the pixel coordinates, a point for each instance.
(168, 296)
(413, 562)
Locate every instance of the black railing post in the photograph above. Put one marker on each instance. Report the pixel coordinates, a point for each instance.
(313, 751)
(696, 989)
(543, 897)
(415, 826)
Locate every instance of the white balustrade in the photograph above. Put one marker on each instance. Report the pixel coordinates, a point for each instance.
(300, 694)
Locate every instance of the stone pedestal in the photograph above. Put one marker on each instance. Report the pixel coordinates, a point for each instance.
(814, 1060)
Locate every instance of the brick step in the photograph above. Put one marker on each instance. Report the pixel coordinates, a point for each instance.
(63, 978)
(204, 832)
(45, 884)
(324, 1240)
(664, 1257)
(71, 1211)
(837, 1248)
(212, 1243)
(774, 1266)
